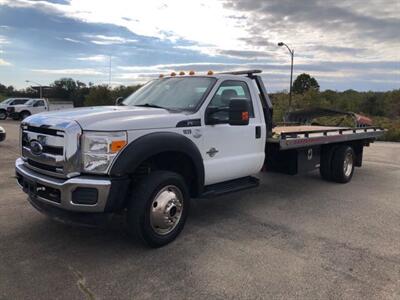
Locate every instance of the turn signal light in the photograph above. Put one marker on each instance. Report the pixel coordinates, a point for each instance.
(117, 145)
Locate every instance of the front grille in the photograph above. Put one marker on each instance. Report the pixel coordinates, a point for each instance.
(47, 149)
(45, 130)
(50, 146)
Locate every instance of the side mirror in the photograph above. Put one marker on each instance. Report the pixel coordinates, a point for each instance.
(119, 101)
(210, 119)
(239, 112)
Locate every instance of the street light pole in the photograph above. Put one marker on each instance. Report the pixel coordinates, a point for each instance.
(291, 51)
(40, 87)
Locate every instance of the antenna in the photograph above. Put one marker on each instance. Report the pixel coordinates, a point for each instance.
(109, 73)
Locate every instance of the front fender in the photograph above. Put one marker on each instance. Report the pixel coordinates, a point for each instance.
(155, 143)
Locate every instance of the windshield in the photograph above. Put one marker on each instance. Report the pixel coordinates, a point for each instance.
(7, 101)
(179, 93)
(30, 102)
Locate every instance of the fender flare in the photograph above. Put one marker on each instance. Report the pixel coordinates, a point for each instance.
(155, 143)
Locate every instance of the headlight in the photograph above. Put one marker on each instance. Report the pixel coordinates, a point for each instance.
(100, 148)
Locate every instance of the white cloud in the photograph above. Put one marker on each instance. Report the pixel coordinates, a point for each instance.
(96, 58)
(4, 62)
(72, 40)
(85, 71)
(206, 22)
(3, 40)
(109, 40)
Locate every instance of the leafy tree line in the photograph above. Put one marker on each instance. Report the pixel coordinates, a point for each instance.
(382, 107)
(67, 89)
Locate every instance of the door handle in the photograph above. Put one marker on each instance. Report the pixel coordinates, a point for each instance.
(258, 132)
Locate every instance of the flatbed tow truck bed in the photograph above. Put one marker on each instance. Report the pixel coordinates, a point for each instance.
(300, 149)
(292, 137)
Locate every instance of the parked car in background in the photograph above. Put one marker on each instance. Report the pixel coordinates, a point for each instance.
(10, 102)
(2, 134)
(34, 106)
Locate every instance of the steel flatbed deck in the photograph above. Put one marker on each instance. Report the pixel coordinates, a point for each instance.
(292, 137)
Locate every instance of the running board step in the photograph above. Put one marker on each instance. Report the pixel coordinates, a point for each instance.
(230, 186)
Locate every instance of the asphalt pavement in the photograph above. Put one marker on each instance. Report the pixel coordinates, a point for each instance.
(294, 237)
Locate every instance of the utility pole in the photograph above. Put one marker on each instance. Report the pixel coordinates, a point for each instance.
(109, 73)
(40, 87)
(291, 51)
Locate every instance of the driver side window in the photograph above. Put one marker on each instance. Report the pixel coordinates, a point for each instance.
(39, 103)
(228, 90)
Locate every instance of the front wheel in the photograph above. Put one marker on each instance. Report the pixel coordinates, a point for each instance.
(3, 115)
(24, 115)
(158, 208)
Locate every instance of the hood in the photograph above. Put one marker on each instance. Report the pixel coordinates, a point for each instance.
(105, 118)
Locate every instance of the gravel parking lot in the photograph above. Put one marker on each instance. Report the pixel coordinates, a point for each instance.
(294, 237)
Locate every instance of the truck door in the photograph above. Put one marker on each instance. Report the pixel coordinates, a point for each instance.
(232, 152)
(38, 106)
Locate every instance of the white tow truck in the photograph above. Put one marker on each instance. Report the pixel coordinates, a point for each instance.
(176, 138)
(34, 106)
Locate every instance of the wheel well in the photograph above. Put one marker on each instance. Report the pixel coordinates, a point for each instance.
(25, 111)
(173, 161)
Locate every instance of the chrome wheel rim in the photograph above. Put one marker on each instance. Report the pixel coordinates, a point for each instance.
(348, 164)
(166, 210)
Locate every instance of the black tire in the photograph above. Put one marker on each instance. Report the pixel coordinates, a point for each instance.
(325, 168)
(340, 173)
(3, 114)
(24, 115)
(15, 117)
(141, 204)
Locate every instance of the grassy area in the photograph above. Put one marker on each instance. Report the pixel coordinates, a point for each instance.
(392, 126)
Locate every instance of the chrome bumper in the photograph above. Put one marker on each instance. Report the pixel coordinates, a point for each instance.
(60, 191)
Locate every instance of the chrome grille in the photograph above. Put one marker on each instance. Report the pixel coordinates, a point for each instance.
(51, 146)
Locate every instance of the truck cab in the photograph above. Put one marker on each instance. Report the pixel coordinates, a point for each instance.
(10, 102)
(30, 107)
(176, 138)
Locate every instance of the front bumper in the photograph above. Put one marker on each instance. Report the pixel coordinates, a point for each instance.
(79, 194)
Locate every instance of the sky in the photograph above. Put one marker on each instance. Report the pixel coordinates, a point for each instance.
(352, 44)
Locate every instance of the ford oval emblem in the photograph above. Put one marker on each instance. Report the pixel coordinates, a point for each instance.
(36, 147)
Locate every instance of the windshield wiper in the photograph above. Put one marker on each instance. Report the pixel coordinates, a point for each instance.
(150, 105)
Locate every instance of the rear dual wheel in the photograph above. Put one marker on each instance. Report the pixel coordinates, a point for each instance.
(337, 164)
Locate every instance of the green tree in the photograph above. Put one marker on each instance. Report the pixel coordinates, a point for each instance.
(64, 88)
(99, 95)
(124, 91)
(303, 83)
